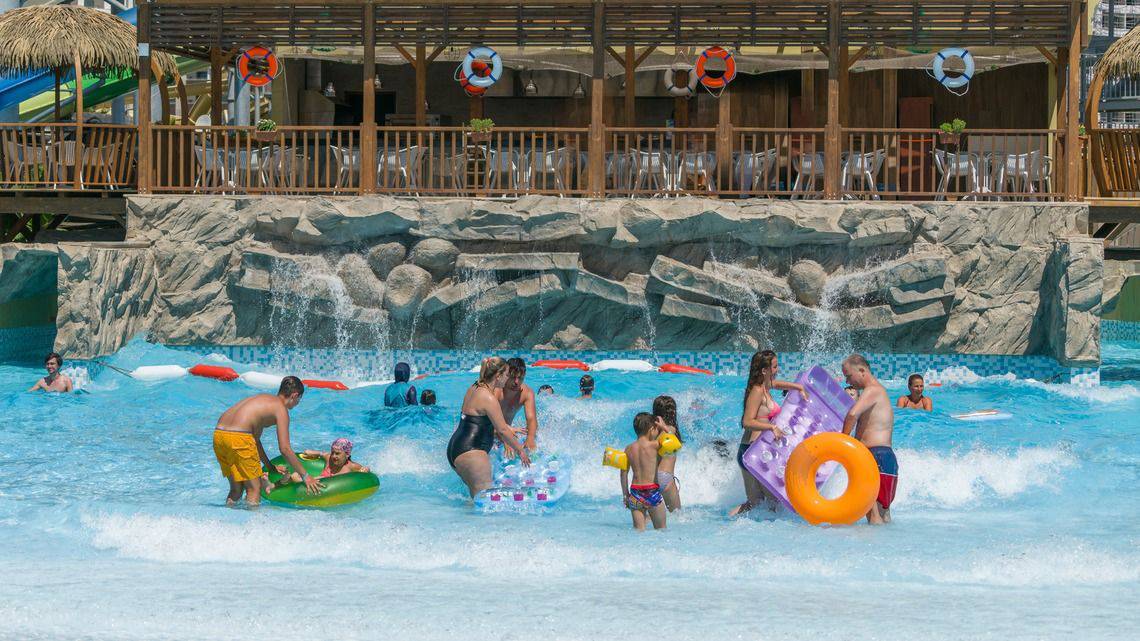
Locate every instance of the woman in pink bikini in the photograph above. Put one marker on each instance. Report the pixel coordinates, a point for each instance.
(760, 409)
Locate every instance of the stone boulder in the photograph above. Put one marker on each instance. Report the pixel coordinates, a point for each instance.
(326, 221)
(26, 270)
(570, 338)
(807, 278)
(384, 258)
(361, 284)
(1117, 273)
(435, 255)
(107, 295)
(405, 289)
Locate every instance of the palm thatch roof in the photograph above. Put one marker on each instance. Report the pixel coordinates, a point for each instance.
(1122, 57)
(49, 37)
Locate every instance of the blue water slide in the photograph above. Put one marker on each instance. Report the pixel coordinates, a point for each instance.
(14, 90)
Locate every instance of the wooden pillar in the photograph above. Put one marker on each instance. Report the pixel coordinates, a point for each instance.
(724, 138)
(681, 113)
(421, 84)
(56, 74)
(630, 93)
(890, 104)
(807, 91)
(844, 87)
(475, 107)
(596, 160)
(216, 64)
(368, 158)
(142, 103)
(780, 103)
(1072, 104)
(832, 132)
(78, 122)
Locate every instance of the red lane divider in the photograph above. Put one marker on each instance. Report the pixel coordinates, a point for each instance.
(336, 385)
(673, 368)
(562, 364)
(215, 372)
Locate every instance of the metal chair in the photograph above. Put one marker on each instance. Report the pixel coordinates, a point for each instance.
(285, 170)
(751, 169)
(952, 166)
(809, 169)
(347, 163)
(210, 168)
(1022, 172)
(620, 170)
(559, 163)
(500, 164)
(698, 164)
(656, 170)
(865, 168)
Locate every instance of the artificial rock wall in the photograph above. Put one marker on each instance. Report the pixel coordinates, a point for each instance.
(668, 274)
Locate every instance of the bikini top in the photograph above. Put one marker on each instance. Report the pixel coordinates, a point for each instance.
(775, 410)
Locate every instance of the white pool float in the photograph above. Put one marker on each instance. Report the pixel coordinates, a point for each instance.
(983, 415)
(623, 365)
(156, 373)
(261, 380)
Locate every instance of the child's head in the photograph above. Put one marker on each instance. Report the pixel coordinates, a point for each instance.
(586, 384)
(291, 391)
(546, 389)
(427, 397)
(915, 384)
(852, 392)
(340, 452)
(644, 424)
(666, 408)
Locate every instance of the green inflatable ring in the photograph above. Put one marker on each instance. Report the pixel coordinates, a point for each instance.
(342, 489)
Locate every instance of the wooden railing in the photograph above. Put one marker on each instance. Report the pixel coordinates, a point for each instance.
(775, 163)
(982, 164)
(62, 156)
(1114, 155)
(660, 161)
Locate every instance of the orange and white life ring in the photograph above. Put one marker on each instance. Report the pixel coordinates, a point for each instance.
(480, 69)
(562, 364)
(257, 66)
(717, 79)
(673, 368)
(214, 371)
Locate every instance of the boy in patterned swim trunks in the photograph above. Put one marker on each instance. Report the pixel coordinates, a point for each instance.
(237, 441)
(643, 497)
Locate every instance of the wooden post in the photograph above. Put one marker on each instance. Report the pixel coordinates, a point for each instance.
(78, 153)
(832, 130)
(844, 87)
(58, 114)
(368, 158)
(475, 107)
(681, 113)
(1072, 104)
(630, 93)
(724, 139)
(216, 64)
(421, 84)
(142, 104)
(596, 160)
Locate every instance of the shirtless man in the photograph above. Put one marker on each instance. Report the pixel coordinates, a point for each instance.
(517, 394)
(237, 441)
(915, 400)
(873, 420)
(54, 381)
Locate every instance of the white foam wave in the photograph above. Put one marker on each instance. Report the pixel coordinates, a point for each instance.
(1057, 562)
(952, 480)
(406, 456)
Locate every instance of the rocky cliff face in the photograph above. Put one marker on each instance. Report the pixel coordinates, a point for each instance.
(1008, 278)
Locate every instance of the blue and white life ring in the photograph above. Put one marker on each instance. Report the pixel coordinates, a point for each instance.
(957, 81)
(681, 91)
(496, 67)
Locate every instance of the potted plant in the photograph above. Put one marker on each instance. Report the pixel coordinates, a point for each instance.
(950, 133)
(480, 130)
(266, 131)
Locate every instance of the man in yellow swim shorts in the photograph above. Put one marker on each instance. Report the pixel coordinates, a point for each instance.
(237, 441)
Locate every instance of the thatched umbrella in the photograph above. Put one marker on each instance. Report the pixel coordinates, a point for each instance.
(59, 37)
(1120, 60)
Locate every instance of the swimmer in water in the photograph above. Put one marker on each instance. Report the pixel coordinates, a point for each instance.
(873, 420)
(338, 460)
(760, 409)
(516, 394)
(665, 409)
(237, 441)
(54, 381)
(915, 400)
(427, 397)
(546, 390)
(643, 496)
(586, 387)
(480, 421)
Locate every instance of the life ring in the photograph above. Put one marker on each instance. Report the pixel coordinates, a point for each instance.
(336, 385)
(214, 371)
(683, 91)
(562, 364)
(342, 489)
(721, 80)
(955, 82)
(862, 479)
(258, 57)
(496, 67)
(481, 69)
(673, 368)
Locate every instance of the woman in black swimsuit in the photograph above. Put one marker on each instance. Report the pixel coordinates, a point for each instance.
(481, 419)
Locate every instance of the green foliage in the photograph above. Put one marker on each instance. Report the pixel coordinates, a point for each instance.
(266, 124)
(481, 125)
(955, 126)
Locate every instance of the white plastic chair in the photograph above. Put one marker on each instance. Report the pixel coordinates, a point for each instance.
(751, 169)
(952, 166)
(210, 168)
(863, 167)
(694, 164)
(809, 169)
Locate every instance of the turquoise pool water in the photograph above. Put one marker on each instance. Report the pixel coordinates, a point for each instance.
(112, 523)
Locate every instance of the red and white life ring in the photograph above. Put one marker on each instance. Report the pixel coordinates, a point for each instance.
(562, 364)
(258, 66)
(721, 79)
(216, 372)
(479, 69)
(673, 368)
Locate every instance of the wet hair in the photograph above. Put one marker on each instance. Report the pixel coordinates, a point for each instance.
(490, 370)
(427, 397)
(586, 383)
(666, 408)
(913, 377)
(403, 372)
(643, 422)
(516, 366)
(57, 357)
(545, 388)
(291, 385)
(760, 361)
(857, 360)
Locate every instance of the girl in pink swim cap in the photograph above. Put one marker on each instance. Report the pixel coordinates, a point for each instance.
(338, 460)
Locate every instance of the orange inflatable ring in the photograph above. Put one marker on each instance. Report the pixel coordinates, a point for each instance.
(265, 69)
(562, 364)
(481, 69)
(673, 368)
(862, 479)
(214, 371)
(336, 385)
(721, 80)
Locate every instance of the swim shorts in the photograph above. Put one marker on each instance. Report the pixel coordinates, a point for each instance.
(643, 497)
(888, 474)
(237, 455)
